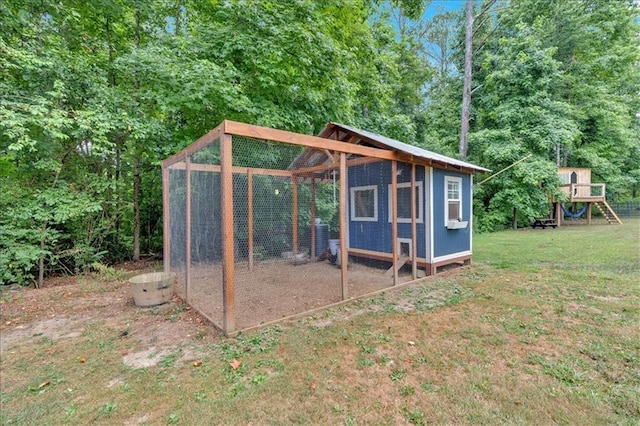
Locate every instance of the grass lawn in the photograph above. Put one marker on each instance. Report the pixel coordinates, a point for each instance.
(543, 328)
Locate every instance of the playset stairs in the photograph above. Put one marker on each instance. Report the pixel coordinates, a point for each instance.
(608, 212)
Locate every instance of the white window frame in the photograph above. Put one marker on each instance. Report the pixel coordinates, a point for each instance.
(407, 241)
(419, 206)
(352, 200)
(447, 180)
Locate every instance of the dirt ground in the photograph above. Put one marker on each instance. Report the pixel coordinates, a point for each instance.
(67, 307)
(277, 289)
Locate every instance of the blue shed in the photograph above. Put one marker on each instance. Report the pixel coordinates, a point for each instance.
(435, 231)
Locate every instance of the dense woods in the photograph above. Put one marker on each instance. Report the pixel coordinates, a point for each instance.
(93, 95)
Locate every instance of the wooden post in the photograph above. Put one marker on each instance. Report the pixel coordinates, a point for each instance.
(250, 217)
(294, 215)
(187, 261)
(226, 201)
(313, 218)
(414, 213)
(166, 220)
(344, 257)
(394, 218)
(559, 213)
(588, 213)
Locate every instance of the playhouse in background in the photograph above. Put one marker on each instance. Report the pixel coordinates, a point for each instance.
(577, 186)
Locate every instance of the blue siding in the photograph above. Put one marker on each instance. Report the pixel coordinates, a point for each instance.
(450, 241)
(377, 235)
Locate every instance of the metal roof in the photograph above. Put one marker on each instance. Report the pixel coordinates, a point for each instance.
(315, 158)
(408, 149)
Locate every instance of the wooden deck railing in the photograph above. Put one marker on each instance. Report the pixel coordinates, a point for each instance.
(584, 191)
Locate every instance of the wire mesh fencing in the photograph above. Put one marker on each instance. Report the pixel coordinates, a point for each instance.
(285, 226)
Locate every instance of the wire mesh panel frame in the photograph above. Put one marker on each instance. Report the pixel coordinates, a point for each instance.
(222, 135)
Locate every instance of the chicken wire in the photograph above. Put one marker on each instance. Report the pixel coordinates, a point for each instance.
(282, 225)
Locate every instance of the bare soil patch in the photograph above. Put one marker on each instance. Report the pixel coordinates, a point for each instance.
(66, 308)
(278, 289)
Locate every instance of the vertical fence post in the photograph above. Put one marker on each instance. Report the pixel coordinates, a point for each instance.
(344, 257)
(394, 218)
(166, 219)
(313, 218)
(226, 201)
(294, 215)
(187, 257)
(414, 213)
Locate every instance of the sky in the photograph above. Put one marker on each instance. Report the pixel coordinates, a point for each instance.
(438, 6)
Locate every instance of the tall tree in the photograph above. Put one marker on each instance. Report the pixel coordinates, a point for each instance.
(550, 84)
(466, 80)
(94, 94)
(470, 45)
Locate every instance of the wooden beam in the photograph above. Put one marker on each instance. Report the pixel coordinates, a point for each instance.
(344, 257)
(397, 265)
(313, 219)
(335, 165)
(166, 219)
(327, 131)
(240, 170)
(294, 216)
(414, 212)
(394, 219)
(209, 138)
(379, 255)
(258, 132)
(250, 217)
(187, 280)
(306, 154)
(329, 155)
(465, 259)
(349, 139)
(226, 201)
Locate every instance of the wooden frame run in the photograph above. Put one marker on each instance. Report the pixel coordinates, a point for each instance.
(336, 149)
(344, 258)
(226, 201)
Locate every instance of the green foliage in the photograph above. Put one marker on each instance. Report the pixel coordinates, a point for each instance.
(94, 95)
(549, 87)
(40, 223)
(90, 90)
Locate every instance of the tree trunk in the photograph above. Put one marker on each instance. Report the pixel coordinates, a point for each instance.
(40, 281)
(136, 208)
(136, 163)
(45, 225)
(466, 91)
(117, 175)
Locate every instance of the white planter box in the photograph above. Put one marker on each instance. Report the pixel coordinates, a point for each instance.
(457, 224)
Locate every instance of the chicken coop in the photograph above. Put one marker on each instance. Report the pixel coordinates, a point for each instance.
(262, 224)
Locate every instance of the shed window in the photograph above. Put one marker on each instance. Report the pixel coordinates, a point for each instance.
(404, 202)
(364, 203)
(453, 199)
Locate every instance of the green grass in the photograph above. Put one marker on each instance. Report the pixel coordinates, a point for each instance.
(543, 328)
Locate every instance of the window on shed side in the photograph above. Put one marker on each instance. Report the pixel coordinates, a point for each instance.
(404, 202)
(453, 199)
(364, 203)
